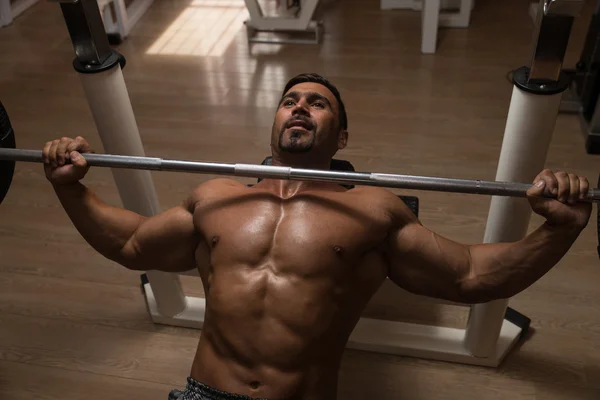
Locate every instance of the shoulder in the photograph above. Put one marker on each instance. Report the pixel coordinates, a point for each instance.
(218, 184)
(395, 209)
(213, 189)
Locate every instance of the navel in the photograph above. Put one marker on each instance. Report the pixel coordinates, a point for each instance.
(338, 250)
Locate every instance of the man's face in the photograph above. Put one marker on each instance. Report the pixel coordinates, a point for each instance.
(306, 119)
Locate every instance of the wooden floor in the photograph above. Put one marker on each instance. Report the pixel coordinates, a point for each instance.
(75, 326)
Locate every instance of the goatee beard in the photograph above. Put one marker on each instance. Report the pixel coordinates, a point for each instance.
(295, 145)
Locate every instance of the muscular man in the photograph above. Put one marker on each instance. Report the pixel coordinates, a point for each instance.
(288, 266)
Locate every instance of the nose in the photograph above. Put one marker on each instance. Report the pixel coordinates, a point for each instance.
(301, 108)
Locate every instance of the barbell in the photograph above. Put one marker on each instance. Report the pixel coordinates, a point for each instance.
(9, 155)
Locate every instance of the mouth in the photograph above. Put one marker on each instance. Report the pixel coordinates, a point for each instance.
(300, 124)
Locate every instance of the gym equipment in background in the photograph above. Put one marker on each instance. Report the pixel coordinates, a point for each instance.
(9, 10)
(434, 14)
(584, 91)
(120, 16)
(295, 19)
(493, 328)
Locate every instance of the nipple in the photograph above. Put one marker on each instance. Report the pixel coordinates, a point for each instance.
(215, 240)
(338, 249)
(255, 385)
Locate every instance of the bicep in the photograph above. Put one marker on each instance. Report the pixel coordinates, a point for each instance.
(166, 242)
(425, 263)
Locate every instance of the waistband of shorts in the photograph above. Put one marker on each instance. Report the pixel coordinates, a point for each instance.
(212, 393)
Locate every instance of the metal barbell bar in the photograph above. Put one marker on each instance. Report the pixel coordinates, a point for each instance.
(495, 188)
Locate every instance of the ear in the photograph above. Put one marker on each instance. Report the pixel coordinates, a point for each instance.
(342, 139)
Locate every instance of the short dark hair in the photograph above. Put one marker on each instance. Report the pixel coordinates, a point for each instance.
(316, 78)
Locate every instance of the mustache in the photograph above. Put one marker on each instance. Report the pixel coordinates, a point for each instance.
(303, 120)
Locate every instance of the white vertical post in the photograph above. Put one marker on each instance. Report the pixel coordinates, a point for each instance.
(107, 18)
(464, 16)
(529, 127)
(5, 13)
(122, 18)
(530, 123)
(111, 107)
(429, 26)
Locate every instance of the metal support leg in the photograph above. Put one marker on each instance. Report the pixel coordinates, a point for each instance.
(583, 95)
(106, 92)
(532, 115)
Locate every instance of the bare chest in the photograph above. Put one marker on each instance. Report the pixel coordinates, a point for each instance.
(304, 237)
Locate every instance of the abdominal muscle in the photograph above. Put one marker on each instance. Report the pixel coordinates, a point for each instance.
(269, 337)
(285, 285)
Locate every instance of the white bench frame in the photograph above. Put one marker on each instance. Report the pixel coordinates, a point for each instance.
(125, 17)
(120, 25)
(303, 22)
(8, 11)
(434, 15)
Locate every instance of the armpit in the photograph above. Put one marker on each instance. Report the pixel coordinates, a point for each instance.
(392, 207)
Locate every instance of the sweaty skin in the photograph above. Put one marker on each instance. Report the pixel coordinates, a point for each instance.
(289, 266)
(286, 278)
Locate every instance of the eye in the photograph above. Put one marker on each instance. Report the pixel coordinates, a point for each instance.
(319, 104)
(288, 103)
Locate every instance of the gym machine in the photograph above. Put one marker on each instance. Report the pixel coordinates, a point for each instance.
(434, 14)
(9, 10)
(493, 328)
(295, 19)
(119, 16)
(584, 90)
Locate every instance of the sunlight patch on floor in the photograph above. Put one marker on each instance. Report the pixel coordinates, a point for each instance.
(204, 28)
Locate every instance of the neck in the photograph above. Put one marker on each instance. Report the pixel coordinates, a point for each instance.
(288, 188)
(301, 162)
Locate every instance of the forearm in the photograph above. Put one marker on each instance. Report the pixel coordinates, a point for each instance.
(501, 270)
(107, 229)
